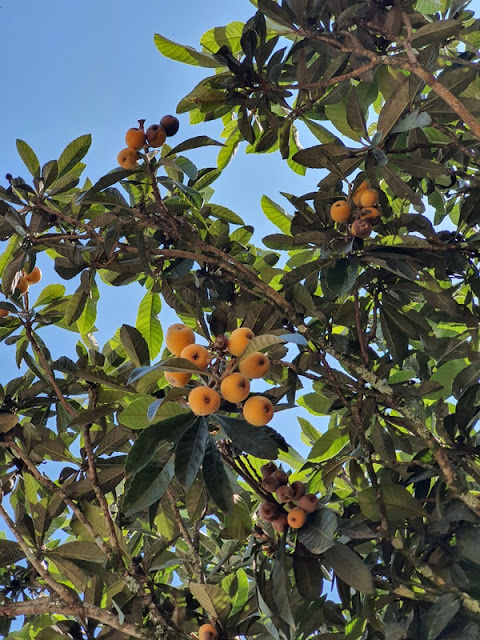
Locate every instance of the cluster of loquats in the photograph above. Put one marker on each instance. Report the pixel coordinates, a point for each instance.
(290, 506)
(24, 281)
(362, 207)
(137, 138)
(227, 382)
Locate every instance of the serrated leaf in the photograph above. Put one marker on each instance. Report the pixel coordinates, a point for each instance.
(73, 153)
(215, 477)
(50, 293)
(217, 211)
(350, 568)
(190, 451)
(185, 54)
(29, 158)
(341, 278)
(328, 445)
(276, 214)
(212, 598)
(78, 550)
(148, 323)
(194, 143)
(248, 438)
(149, 484)
(135, 345)
(399, 503)
(10, 552)
(318, 532)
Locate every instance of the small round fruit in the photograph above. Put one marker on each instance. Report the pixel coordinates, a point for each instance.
(156, 135)
(308, 502)
(207, 632)
(128, 158)
(270, 484)
(255, 365)
(298, 489)
(34, 276)
(296, 518)
(196, 354)
(239, 340)
(340, 211)
(235, 388)
(203, 401)
(170, 124)
(372, 214)
(358, 193)
(23, 285)
(281, 476)
(280, 524)
(369, 198)
(177, 379)
(4, 313)
(361, 228)
(267, 469)
(284, 493)
(268, 511)
(258, 410)
(135, 138)
(178, 337)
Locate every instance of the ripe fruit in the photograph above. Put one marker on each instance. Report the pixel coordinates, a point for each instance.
(270, 484)
(203, 401)
(361, 228)
(255, 365)
(308, 502)
(178, 337)
(170, 124)
(268, 511)
(156, 135)
(179, 379)
(267, 469)
(280, 524)
(372, 214)
(128, 158)
(298, 489)
(207, 632)
(239, 340)
(296, 518)
(258, 410)
(281, 476)
(135, 138)
(357, 194)
(340, 211)
(235, 388)
(34, 276)
(284, 493)
(4, 313)
(23, 285)
(369, 198)
(196, 354)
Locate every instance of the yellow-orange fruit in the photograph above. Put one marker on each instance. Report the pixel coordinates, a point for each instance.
(308, 502)
(280, 524)
(358, 192)
(239, 340)
(235, 387)
(255, 365)
(23, 285)
(207, 632)
(196, 354)
(258, 410)
(371, 213)
(361, 228)
(340, 211)
(4, 313)
(178, 337)
(170, 124)
(135, 138)
(203, 401)
(156, 135)
(369, 198)
(34, 276)
(128, 158)
(296, 518)
(177, 379)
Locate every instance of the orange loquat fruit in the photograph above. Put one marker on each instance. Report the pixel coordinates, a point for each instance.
(369, 198)
(203, 401)
(255, 365)
(258, 410)
(178, 337)
(235, 387)
(239, 340)
(340, 211)
(128, 158)
(296, 517)
(178, 379)
(135, 138)
(196, 354)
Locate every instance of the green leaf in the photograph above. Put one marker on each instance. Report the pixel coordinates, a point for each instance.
(276, 214)
(29, 158)
(92, 416)
(7, 421)
(75, 306)
(248, 438)
(194, 143)
(112, 177)
(73, 153)
(190, 451)
(150, 483)
(178, 365)
(50, 293)
(215, 477)
(217, 211)
(355, 114)
(135, 345)
(318, 532)
(399, 503)
(229, 35)
(185, 54)
(439, 615)
(280, 592)
(308, 575)
(341, 278)
(10, 553)
(328, 445)
(260, 343)
(212, 598)
(148, 323)
(322, 156)
(78, 550)
(437, 31)
(350, 568)
(394, 107)
(12, 246)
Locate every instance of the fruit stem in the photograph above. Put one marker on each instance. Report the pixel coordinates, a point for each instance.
(141, 124)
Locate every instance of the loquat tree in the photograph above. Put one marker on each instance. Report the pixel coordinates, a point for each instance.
(179, 510)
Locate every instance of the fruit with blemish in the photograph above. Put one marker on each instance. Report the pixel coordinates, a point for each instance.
(270, 484)
(4, 313)
(268, 511)
(235, 387)
(284, 493)
(135, 138)
(296, 517)
(298, 489)
(369, 198)
(203, 401)
(267, 469)
(280, 524)
(239, 340)
(178, 337)
(309, 502)
(207, 632)
(177, 379)
(281, 476)
(372, 214)
(128, 158)
(34, 276)
(340, 211)
(255, 365)
(196, 354)
(156, 135)
(361, 228)
(258, 411)
(170, 124)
